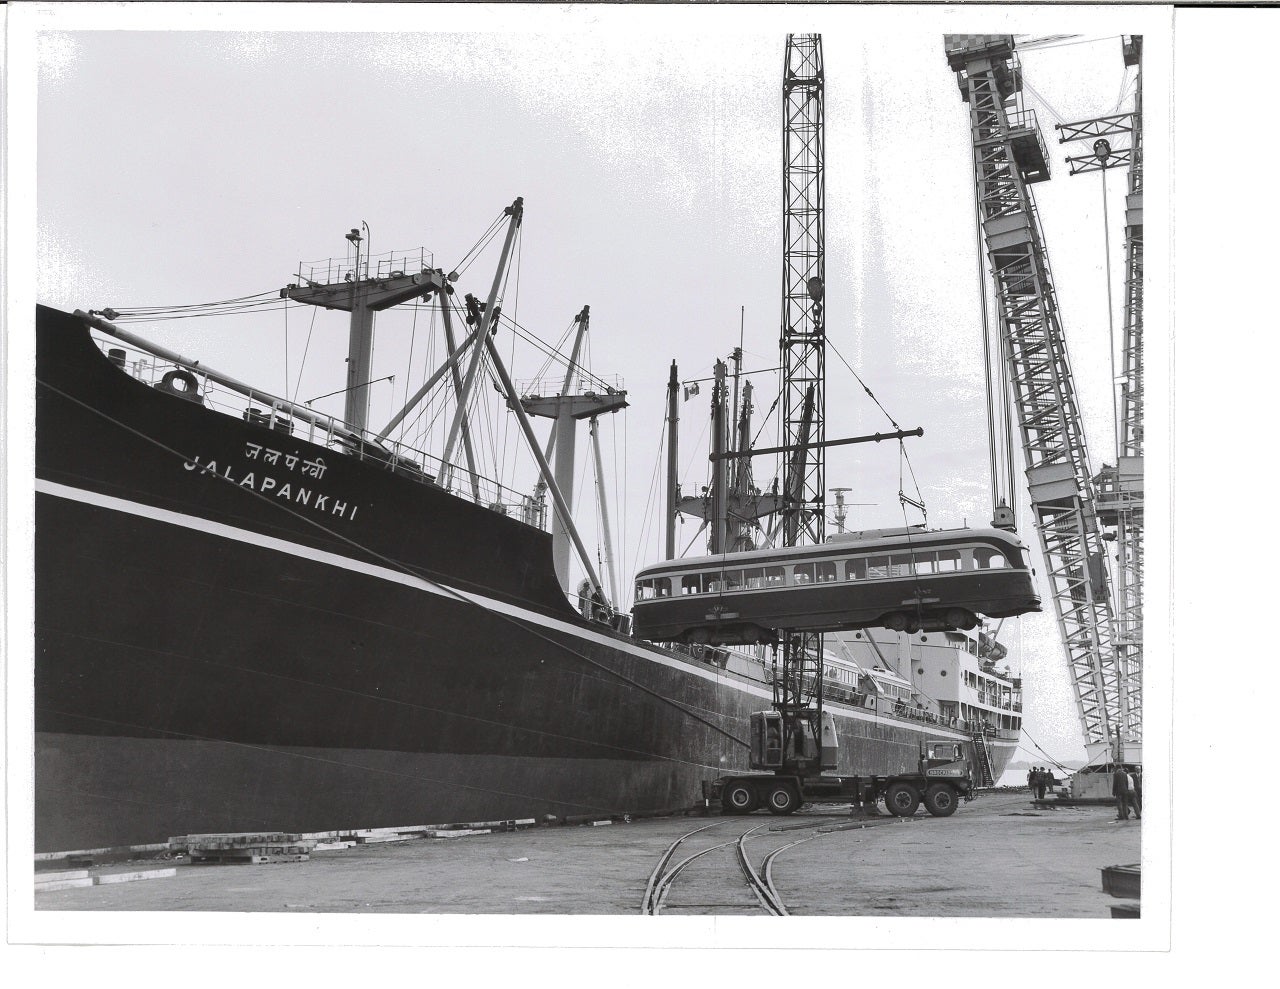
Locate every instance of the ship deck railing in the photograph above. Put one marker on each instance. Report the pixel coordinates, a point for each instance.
(587, 384)
(392, 264)
(396, 456)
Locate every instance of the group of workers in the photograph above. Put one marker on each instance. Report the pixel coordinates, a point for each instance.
(1126, 787)
(1038, 779)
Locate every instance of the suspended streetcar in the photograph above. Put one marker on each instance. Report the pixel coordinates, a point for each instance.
(906, 579)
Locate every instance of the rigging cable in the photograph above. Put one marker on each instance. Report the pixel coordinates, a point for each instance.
(297, 385)
(408, 372)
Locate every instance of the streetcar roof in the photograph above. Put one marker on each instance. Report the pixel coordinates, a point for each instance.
(882, 540)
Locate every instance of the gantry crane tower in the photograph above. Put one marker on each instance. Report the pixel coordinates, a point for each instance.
(1008, 158)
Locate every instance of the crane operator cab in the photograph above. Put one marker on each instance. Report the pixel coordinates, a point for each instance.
(801, 749)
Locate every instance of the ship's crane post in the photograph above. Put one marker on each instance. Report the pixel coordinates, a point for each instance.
(1009, 157)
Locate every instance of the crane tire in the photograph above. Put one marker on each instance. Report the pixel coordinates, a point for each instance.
(941, 800)
(782, 799)
(902, 800)
(739, 798)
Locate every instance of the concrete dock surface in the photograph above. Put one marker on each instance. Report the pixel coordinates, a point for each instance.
(998, 856)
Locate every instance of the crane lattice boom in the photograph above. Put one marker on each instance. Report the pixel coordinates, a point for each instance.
(1008, 157)
(803, 343)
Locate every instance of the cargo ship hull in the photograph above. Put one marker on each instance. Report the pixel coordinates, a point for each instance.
(241, 630)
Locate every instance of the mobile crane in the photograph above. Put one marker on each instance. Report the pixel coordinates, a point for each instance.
(795, 743)
(1009, 157)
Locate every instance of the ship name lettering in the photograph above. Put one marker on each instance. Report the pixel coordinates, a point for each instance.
(315, 467)
(307, 497)
(271, 456)
(251, 450)
(291, 460)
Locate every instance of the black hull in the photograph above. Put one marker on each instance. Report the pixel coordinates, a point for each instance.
(210, 657)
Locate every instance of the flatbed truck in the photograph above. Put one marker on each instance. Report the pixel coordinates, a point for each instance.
(942, 778)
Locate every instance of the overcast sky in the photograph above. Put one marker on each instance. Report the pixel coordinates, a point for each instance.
(182, 166)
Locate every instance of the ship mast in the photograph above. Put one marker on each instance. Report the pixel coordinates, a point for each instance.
(352, 290)
(565, 409)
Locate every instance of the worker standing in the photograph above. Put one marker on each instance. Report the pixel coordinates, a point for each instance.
(1120, 790)
(1133, 794)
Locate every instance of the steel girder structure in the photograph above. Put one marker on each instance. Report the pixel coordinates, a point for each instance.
(1008, 156)
(1129, 485)
(803, 342)
(1120, 488)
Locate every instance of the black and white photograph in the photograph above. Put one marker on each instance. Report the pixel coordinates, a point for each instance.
(493, 474)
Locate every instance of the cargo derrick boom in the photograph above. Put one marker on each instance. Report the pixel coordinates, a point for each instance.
(1008, 157)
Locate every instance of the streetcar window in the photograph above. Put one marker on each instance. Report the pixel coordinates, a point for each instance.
(1026, 558)
(803, 573)
(713, 582)
(732, 580)
(826, 572)
(691, 583)
(663, 586)
(924, 563)
(647, 589)
(900, 566)
(988, 559)
(877, 567)
(754, 577)
(775, 575)
(855, 570)
(948, 560)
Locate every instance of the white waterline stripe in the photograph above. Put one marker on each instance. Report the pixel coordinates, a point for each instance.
(248, 537)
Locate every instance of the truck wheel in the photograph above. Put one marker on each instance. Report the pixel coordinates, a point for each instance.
(902, 800)
(941, 800)
(782, 799)
(740, 798)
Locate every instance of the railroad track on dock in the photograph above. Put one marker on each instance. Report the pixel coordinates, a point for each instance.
(759, 881)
